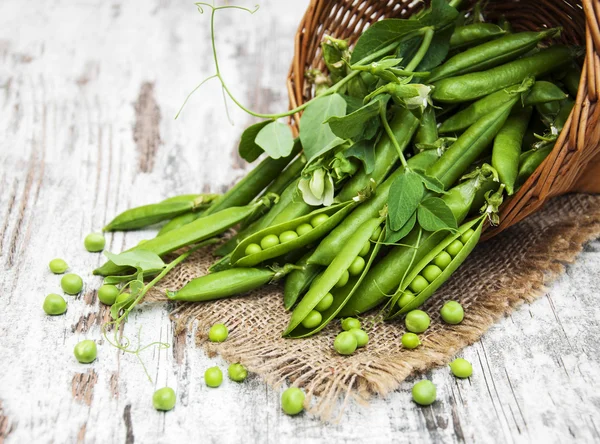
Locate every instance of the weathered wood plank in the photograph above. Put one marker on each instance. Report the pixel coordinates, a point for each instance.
(78, 81)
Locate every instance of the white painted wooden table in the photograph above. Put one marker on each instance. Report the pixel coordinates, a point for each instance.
(88, 91)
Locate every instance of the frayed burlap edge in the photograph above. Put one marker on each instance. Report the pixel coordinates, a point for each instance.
(331, 382)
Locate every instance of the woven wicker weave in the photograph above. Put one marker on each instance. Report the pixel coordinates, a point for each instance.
(573, 164)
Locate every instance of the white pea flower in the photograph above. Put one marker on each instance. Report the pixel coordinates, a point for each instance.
(318, 189)
(420, 101)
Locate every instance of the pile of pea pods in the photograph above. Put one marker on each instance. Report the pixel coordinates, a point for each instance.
(415, 136)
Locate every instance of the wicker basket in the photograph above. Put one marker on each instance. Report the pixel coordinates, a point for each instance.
(573, 164)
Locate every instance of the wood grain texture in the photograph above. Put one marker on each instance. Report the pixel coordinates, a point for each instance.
(77, 82)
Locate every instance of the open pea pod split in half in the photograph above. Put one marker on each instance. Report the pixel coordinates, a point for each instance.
(336, 214)
(421, 297)
(326, 282)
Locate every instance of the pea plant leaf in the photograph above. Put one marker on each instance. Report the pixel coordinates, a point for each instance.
(352, 103)
(248, 148)
(275, 139)
(362, 123)
(143, 260)
(430, 182)
(391, 237)
(438, 50)
(365, 152)
(434, 215)
(316, 135)
(384, 32)
(403, 200)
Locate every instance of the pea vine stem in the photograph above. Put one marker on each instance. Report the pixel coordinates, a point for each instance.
(390, 133)
(428, 33)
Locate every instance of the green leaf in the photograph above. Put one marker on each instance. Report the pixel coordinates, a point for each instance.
(434, 215)
(430, 182)
(438, 50)
(403, 200)
(142, 259)
(365, 152)
(352, 103)
(276, 139)
(360, 124)
(392, 237)
(316, 135)
(248, 148)
(381, 34)
(440, 14)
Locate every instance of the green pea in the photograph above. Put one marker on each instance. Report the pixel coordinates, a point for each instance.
(442, 260)
(58, 266)
(350, 323)
(376, 234)
(324, 303)
(237, 372)
(410, 340)
(252, 249)
(454, 248)
(467, 235)
(94, 242)
(71, 283)
(365, 249)
(213, 377)
(362, 338)
(108, 294)
(343, 279)
(418, 284)
(125, 300)
(406, 298)
(303, 229)
(85, 351)
(417, 321)
(54, 304)
(424, 392)
(431, 272)
(218, 333)
(318, 219)
(345, 343)
(461, 368)
(452, 313)
(292, 401)
(270, 240)
(357, 266)
(312, 319)
(288, 236)
(164, 399)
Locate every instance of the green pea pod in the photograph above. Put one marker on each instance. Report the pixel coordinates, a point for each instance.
(298, 281)
(468, 116)
(180, 221)
(531, 162)
(563, 115)
(571, 80)
(289, 175)
(474, 34)
(427, 132)
(403, 125)
(203, 228)
(472, 86)
(253, 183)
(470, 145)
(548, 112)
(386, 275)
(327, 281)
(544, 92)
(145, 215)
(491, 54)
(507, 147)
(331, 245)
(227, 283)
(336, 214)
(223, 263)
(421, 297)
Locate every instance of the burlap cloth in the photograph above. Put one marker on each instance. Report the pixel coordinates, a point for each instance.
(499, 275)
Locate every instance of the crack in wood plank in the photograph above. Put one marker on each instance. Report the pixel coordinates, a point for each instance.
(146, 132)
(129, 437)
(82, 386)
(5, 425)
